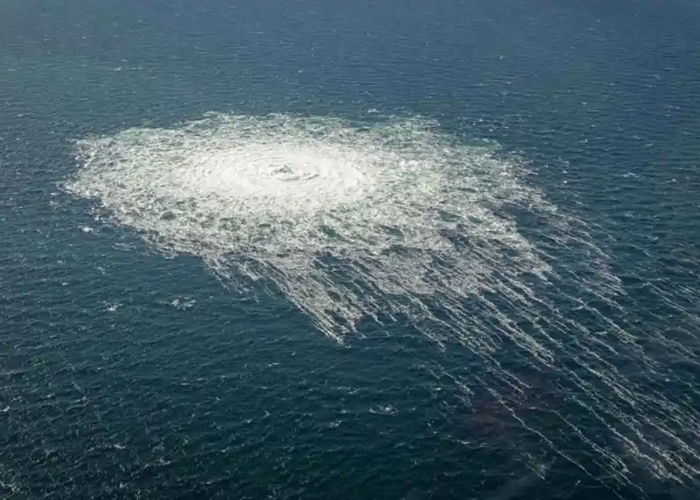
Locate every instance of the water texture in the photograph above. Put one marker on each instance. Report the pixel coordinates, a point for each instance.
(312, 250)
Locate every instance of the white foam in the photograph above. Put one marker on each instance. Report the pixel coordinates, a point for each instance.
(390, 219)
(274, 196)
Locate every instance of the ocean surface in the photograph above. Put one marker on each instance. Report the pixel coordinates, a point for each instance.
(350, 250)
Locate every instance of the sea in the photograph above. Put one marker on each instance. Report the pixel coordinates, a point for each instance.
(372, 250)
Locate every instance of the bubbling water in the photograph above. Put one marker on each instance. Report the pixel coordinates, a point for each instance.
(277, 197)
(397, 220)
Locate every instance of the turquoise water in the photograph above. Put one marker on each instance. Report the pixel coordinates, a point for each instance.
(129, 372)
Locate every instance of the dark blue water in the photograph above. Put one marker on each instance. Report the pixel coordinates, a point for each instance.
(191, 391)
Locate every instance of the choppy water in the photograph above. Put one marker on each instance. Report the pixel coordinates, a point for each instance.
(317, 250)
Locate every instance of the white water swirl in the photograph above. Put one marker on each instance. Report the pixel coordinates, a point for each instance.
(397, 220)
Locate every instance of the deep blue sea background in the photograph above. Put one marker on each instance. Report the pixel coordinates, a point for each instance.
(190, 391)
